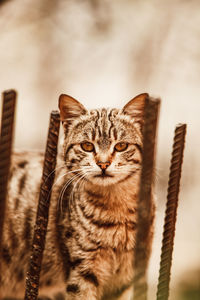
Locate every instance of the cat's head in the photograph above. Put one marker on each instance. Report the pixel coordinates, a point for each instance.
(102, 146)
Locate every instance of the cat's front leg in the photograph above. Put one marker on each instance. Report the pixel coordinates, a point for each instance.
(82, 286)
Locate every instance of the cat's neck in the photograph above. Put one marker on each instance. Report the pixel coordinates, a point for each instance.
(120, 193)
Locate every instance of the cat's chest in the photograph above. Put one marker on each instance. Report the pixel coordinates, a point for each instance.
(108, 222)
(119, 265)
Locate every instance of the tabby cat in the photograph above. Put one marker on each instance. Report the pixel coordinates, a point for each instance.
(92, 220)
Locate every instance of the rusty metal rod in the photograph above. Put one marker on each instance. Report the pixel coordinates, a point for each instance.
(40, 229)
(171, 212)
(6, 141)
(144, 201)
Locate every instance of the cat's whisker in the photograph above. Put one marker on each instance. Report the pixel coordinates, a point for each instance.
(61, 195)
(62, 166)
(66, 173)
(62, 192)
(81, 182)
(74, 187)
(81, 177)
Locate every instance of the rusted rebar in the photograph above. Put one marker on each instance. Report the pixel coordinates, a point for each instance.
(33, 274)
(171, 212)
(145, 201)
(6, 141)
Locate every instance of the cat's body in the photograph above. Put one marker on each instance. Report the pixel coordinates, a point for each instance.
(90, 241)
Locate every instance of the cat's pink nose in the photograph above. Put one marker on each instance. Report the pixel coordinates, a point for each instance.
(103, 165)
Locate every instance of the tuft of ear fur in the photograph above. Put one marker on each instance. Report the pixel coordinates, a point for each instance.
(135, 107)
(70, 108)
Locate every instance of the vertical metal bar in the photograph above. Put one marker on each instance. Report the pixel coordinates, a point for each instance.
(6, 141)
(33, 274)
(144, 201)
(171, 212)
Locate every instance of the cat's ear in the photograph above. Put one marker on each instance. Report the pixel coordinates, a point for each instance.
(70, 108)
(135, 107)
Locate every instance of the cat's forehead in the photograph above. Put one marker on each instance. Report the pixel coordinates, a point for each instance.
(104, 126)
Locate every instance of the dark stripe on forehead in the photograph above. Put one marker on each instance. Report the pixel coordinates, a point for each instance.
(97, 119)
(103, 112)
(111, 123)
(115, 133)
(103, 130)
(93, 134)
(97, 124)
(104, 123)
(99, 131)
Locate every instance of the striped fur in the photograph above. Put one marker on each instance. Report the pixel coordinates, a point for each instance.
(92, 221)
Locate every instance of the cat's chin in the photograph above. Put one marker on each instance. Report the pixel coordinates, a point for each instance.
(111, 180)
(105, 180)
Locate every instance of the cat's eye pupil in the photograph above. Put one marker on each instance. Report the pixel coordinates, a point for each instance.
(121, 147)
(88, 147)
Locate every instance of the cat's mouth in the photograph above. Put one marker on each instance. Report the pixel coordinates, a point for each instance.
(103, 175)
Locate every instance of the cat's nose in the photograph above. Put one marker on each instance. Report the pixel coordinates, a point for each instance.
(103, 165)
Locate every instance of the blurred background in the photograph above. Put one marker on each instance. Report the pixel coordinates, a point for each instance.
(104, 53)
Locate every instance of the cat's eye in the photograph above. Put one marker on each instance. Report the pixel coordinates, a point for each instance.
(88, 147)
(121, 147)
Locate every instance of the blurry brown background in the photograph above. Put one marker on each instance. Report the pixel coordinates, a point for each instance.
(103, 53)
